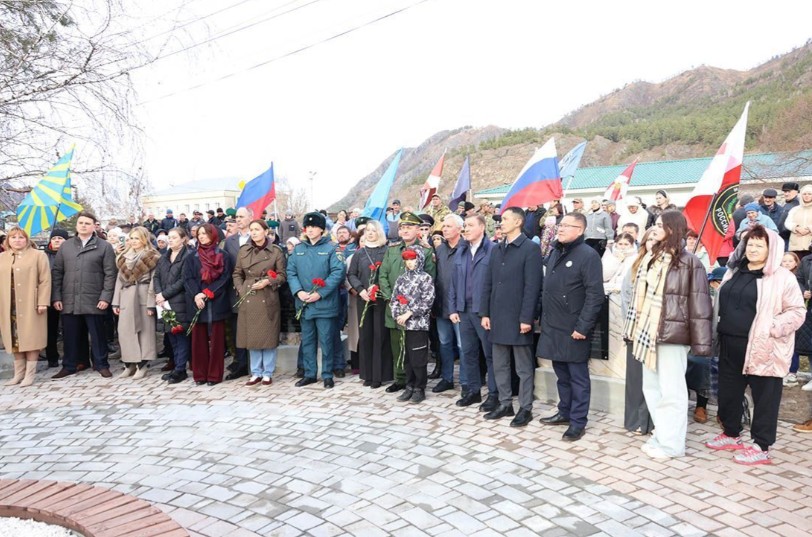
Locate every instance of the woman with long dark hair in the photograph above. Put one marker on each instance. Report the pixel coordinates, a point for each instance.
(669, 314)
(207, 277)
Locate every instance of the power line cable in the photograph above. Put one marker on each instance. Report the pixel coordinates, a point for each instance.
(288, 54)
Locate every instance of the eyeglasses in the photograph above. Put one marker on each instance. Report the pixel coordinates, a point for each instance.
(570, 226)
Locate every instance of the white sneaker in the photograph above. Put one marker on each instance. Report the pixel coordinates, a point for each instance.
(807, 387)
(753, 455)
(129, 369)
(723, 441)
(790, 380)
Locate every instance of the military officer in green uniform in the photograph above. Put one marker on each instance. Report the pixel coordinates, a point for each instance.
(392, 267)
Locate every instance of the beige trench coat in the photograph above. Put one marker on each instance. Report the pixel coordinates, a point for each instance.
(136, 329)
(32, 280)
(259, 319)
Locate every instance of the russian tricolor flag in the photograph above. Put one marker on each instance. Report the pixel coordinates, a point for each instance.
(538, 182)
(259, 192)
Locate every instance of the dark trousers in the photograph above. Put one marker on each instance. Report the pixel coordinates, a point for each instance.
(474, 337)
(317, 332)
(574, 391)
(732, 384)
(208, 348)
(72, 334)
(51, 351)
(181, 349)
(417, 358)
(241, 356)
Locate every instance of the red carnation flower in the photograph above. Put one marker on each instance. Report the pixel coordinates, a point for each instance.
(402, 300)
(408, 255)
(373, 292)
(177, 329)
(372, 267)
(272, 275)
(318, 282)
(378, 264)
(209, 294)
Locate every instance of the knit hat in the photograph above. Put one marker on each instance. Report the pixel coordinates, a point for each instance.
(753, 206)
(663, 193)
(58, 232)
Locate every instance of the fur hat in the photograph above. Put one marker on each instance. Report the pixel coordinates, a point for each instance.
(315, 219)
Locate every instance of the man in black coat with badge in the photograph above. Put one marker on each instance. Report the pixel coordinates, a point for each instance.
(571, 303)
(510, 298)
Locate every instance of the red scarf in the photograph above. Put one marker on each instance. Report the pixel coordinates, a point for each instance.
(211, 261)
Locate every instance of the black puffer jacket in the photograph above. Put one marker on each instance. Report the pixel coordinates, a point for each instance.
(687, 308)
(168, 281)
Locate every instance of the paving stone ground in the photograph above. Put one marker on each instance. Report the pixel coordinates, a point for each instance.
(231, 461)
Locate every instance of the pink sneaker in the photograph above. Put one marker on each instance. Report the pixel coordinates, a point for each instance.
(723, 441)
(752, 456)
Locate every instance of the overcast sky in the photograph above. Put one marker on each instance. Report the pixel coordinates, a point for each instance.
(339, 108)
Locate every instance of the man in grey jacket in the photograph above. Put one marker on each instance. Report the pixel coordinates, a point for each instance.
(84, 276)
(599, 233)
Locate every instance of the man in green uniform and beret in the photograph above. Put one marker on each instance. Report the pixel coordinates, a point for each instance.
(392, 267)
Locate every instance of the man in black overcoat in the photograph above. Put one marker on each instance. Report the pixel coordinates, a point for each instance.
(570, 305)
(510, 298)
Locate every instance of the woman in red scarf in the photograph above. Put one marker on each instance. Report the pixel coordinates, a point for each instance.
(207, 278)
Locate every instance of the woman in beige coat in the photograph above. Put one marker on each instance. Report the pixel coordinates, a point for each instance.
(134, 303)
(25, 291)
(259, 272)
(799, 224)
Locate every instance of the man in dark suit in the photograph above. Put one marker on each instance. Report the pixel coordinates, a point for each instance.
(509, 307)
(239, 367)
(465, 302)
(571, 303)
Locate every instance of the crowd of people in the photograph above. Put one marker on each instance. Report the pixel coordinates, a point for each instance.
(493, 287)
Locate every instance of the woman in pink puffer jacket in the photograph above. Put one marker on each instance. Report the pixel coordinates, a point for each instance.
(758, 309)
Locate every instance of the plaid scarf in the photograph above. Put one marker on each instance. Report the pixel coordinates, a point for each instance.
(643, 316)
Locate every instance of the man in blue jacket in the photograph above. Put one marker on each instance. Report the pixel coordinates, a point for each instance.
(510, 298)
(316, 259)
(465, 301)
(571, 302)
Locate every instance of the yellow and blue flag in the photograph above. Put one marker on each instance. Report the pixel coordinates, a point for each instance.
(50, 201)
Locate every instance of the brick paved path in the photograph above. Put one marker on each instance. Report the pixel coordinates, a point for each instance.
(230, 461)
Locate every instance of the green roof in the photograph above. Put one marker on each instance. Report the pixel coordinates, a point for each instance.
(761, 166)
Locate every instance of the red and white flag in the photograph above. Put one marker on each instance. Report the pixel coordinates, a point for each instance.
(617, 190)
(714, 196)
(432, 183)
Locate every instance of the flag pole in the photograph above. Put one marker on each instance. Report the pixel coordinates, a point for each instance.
(56, 216)
(705, 222)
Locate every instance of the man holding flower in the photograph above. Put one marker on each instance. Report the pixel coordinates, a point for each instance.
(315, 271)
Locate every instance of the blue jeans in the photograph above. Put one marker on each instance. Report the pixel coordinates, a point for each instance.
(447, 331)
(323, 329)
(263, 362)
(473, 335)
(181, 348)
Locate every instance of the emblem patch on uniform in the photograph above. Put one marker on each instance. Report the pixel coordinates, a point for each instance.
(340, 255)
(568, 264)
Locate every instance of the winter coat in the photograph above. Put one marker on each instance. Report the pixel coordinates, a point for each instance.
(393, 266)
(359, 273)
(289, 228)
(231, 246)
(168, 223)
(782, 222)
(779, 313)
(640, 218)
(260, 315)
(417, 287)
(152, 225)
(218, 308)
(762, 219)
(32, 288)
(320, 260)
(571, 301)
(133, 295)
(84, 276)
(773, 214)
(445, 270)
(476, 270)
(687, 309)
(511, 289)
(168, 281)
(799, 217)
(615, 269)
(599, 226)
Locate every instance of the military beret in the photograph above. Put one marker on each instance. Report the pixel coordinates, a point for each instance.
(469, 206)
(361, 221)
(231, 212)
(410, 219)
(272, 224)
(315, 219)
(427, 220)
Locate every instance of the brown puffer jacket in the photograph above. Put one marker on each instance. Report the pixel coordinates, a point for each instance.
(687, 307)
